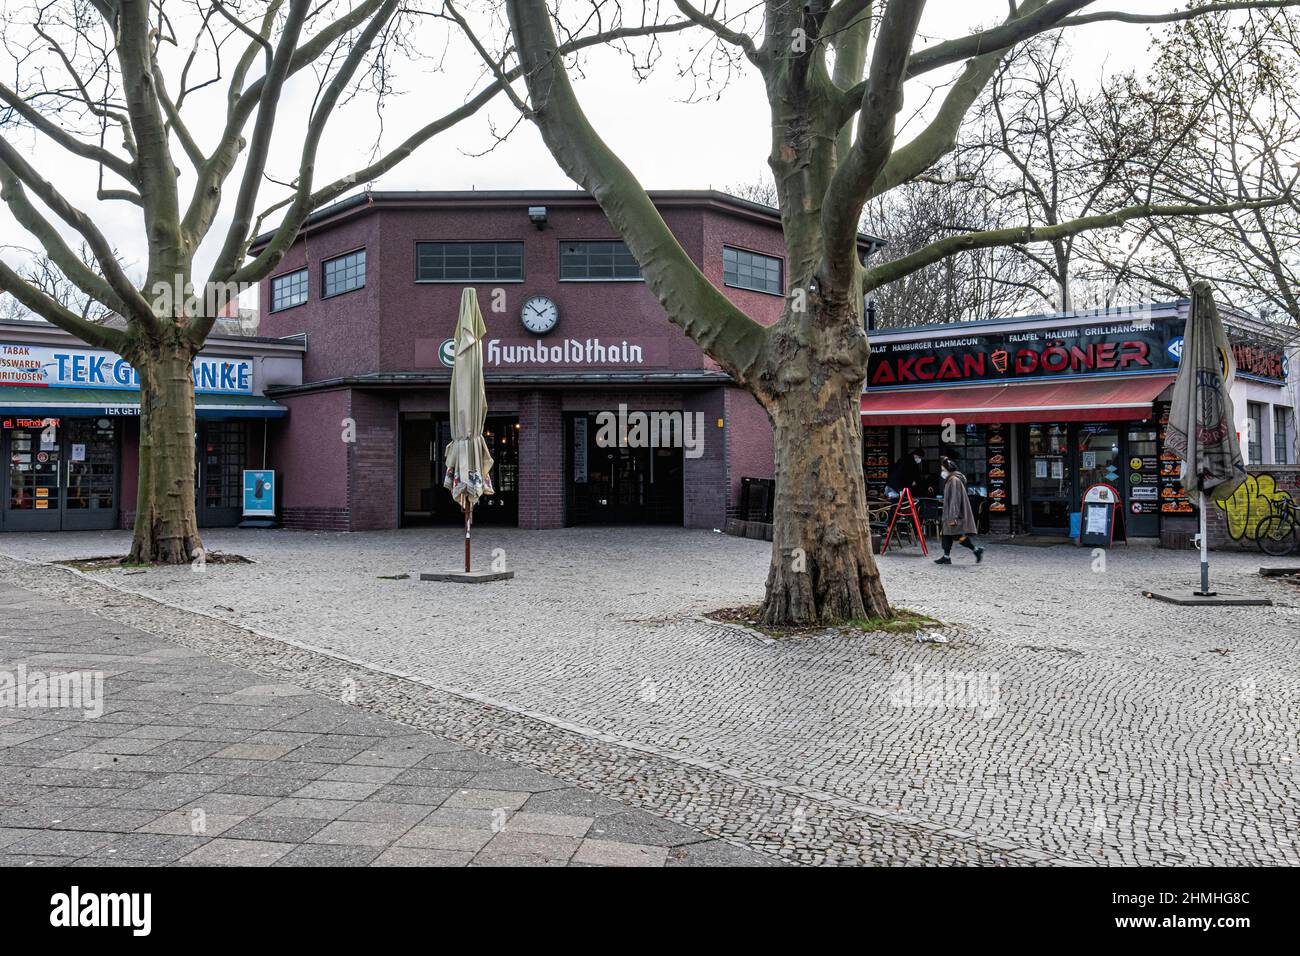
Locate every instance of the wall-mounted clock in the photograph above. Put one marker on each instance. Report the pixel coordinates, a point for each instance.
(539, 314)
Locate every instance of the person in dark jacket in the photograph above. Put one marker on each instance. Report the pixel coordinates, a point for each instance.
(905, 473)
(958, 518)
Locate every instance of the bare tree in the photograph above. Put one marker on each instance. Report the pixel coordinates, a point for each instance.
(963, 287)
(1229, 84)
(835, 74)
(118, 85)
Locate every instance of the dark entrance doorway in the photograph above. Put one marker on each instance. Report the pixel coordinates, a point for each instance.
(1049, 478)
(62, 474)
(616, 485)
(222, 450)
(425, 501)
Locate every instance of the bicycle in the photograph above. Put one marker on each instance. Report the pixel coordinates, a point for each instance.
(1279, 534)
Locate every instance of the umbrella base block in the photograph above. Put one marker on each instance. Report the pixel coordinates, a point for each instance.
(467, 577)
(1216, 599)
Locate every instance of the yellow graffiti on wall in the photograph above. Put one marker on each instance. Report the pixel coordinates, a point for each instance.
(1250, 504)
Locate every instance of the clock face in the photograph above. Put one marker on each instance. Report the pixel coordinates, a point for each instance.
(539, 314)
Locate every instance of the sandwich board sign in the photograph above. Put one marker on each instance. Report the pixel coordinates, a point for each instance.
(1101, 514)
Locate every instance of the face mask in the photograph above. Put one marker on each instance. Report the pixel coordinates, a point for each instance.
(944, 474)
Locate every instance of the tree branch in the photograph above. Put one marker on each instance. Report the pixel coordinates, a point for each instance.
(260, 144)
(881, 102)
(421, 136)
(65, 139)
(690, 299)
(1023, 235)
(722, 31)
(56, 314)
(127, 297)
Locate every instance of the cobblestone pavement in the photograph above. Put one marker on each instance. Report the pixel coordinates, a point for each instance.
(1082, 722)
(197, 762)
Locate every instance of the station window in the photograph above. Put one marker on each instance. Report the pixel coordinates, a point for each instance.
(469, 261)
(597, 261)
(344, 273)
(288, 290)
(749, 270)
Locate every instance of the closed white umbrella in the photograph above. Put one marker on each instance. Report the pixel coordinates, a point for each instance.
(1202, 427)
(469, 465)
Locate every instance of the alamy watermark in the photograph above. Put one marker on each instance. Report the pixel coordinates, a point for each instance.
(181, 297)
(947, 690)
(625, 429)
(72, 690)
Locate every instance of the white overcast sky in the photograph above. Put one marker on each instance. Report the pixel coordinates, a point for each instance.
(669, 143)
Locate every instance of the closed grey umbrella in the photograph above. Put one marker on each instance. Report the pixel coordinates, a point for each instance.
(469, 465)
(1202, 427)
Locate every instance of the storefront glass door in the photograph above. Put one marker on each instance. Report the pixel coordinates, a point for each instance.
(33, 501)
(223, 447)
(62, 474)
(1050, 478)
(90, 499)
(1099, 457)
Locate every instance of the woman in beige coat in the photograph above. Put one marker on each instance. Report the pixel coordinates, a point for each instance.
(958, 519)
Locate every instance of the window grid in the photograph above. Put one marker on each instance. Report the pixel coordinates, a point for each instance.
(288, 290)
(1281, 435)
(596, 260)
(1255, 450)
(469, 261)
(749, 270)
(344, 273)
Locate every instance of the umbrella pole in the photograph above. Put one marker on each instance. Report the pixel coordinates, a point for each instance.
(1205, 555)
(467, 509)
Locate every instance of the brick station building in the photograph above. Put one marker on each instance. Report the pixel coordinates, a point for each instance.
(373, 285)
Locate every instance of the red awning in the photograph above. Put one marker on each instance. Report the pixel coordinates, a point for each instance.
(1082, 400)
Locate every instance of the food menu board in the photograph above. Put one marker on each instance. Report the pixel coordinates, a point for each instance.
(876, 449)
(1173, 497)
(999, 467)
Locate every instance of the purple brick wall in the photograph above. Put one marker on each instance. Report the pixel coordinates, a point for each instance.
(749, 443)
(541, 461)
(372, 465)
(308, 452)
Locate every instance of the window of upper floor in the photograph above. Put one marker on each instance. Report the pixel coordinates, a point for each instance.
(598, 261)
(343, 273)
(469, 262)
(742, 269)
(288, 290)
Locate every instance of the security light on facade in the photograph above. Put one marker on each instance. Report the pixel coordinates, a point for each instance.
(537, 216)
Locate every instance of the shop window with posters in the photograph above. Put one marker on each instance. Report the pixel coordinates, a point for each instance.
(969, 447)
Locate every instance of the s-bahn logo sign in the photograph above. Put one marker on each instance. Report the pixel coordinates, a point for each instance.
(1114, 348)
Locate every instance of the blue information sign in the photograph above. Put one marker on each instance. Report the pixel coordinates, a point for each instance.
(259, 494)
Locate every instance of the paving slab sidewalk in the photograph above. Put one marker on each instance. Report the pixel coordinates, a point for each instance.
(197, 762)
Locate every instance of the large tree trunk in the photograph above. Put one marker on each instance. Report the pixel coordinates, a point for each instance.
(823, 570)
(166, 523)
